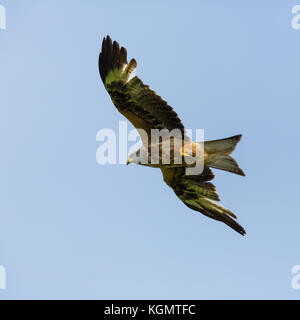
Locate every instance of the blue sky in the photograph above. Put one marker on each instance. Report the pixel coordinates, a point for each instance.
(73, 229)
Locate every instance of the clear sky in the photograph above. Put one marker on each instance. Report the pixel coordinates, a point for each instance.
(71, 228)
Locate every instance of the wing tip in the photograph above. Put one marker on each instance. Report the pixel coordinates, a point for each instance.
(234, 225)
(110, 57)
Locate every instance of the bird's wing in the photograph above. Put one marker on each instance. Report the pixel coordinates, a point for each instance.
(198, 194)
(135, 100)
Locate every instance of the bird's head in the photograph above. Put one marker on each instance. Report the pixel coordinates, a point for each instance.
(134, 157)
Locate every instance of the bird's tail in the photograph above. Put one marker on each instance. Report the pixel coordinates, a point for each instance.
(218, 154)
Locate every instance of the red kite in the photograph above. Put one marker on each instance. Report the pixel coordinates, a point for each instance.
(146, 110)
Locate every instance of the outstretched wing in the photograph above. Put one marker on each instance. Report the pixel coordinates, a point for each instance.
(198, 194)
(135, 100)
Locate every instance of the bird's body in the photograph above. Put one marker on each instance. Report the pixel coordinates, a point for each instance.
(148, 113)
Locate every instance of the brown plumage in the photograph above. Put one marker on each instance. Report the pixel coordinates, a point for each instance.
(146, 110)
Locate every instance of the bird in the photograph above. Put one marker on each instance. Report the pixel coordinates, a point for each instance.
(147, 112)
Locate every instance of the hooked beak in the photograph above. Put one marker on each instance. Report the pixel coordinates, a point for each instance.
(129, 160)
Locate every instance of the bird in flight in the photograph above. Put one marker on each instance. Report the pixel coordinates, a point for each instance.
(147, 111)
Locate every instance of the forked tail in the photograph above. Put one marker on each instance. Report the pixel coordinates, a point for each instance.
(218, 154)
